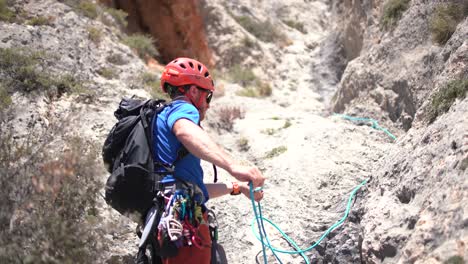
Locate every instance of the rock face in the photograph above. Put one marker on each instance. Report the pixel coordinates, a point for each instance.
(177, 27)
(398, 69)
(415, 211)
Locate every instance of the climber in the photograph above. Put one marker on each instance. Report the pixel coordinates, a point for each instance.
(179, 143)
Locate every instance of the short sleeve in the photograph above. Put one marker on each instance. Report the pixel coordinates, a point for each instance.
(183, 110)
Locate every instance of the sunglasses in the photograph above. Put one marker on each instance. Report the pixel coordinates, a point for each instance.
(209, 95)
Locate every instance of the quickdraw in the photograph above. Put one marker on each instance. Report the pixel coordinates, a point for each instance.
(182, 217)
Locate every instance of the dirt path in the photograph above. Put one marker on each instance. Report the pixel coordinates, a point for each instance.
(325, 157)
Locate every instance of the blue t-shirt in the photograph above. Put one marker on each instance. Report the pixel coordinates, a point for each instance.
(166, 144)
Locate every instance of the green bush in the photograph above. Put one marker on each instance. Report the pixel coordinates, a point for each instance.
(107, 72)
(243, 144)
(241, 75)
(445, 20)
(446, 96)
(250, 43)
(264, 31)
(152, 84)
(39, 21)
(49, 198)
(21, 72)
(94, 34)
(88, 9)
(275, 152)
(19, 67)
(5, 13)
(5, 99)
(248, 92)
(455, 260)
(142, 44)
(392, 12)
(119, 15)
(257, 89)
(296, 25)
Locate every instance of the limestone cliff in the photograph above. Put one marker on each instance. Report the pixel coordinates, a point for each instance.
(177, 27)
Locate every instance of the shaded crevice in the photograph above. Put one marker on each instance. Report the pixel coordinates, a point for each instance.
(405, 195)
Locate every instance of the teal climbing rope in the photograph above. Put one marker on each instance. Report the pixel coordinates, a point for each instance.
(374, 123)
(266, 244)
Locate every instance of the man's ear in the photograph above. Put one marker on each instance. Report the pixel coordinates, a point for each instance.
(193, 91)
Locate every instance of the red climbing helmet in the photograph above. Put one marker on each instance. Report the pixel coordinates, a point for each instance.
(183, 71)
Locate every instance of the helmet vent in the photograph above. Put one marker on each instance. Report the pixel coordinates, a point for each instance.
(191, 64)
(183, 66)
(174, 61)
(199, 67)
(207, 74)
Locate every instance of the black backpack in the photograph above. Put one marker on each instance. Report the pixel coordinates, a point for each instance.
(127, 154)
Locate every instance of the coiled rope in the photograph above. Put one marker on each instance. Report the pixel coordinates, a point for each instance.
(266, 242)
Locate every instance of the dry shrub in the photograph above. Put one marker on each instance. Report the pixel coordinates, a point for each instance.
(26, 71)
(48, 199)
(443, 99)
(392, 12)
(445, 20)
(243, 144)
(227, 115)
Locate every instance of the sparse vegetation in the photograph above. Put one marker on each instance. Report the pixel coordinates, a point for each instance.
(275, 152)
(227, 115)
(464, 164)
(296, 25)
(5, 13)
(88, 9)
(117, 59)
(253, 87)
(119, 16)
(446, 96)
(392, 12)
(48, 200)
(455, 260)
(152, 84)
(40, 21)
(270, 131)
(243, 144)
(248, 92)
(241, 75)
(107, 72)
(20, 70)
(265, 31)
(263, 88)
(445, 20)
(142, 44)
(250, 43)
(258, 89)
(94, 34)
(5, 99)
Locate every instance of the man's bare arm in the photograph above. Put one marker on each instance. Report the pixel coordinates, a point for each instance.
(199, 143)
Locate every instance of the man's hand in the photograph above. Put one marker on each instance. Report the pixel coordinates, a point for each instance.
(247, 173)
(245, 189)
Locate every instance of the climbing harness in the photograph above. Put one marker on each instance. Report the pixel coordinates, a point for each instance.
(263, 238)
(182, 215)
(374, 123)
